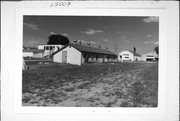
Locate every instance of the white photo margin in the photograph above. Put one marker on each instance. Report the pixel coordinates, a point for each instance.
(12, 38)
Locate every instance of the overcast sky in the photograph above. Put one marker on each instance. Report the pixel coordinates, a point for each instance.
(108, 31)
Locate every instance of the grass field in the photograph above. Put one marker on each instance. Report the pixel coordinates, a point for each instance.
(91, 85)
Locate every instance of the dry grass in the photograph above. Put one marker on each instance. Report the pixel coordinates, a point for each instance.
(94, 85)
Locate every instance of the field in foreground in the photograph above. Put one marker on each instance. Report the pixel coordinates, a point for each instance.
(91, 85)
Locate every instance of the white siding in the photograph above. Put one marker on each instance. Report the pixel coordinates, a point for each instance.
(73, 56)
(27, 54)
(126, 55)
(151, 55)
(41, 47)
(58, 57)
(48, 51)
(38, 55)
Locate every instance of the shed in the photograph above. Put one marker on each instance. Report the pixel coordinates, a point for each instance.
(78, 54)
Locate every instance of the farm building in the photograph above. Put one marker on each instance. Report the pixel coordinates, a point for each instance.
(49, 49)
(78, 54)
(33, 53)
(150, 57)
(128, 55)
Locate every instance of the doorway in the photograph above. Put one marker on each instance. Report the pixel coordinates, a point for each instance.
(64, 56)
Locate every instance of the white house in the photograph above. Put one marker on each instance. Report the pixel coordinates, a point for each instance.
(128, 55)
(150, 56)
(49, 49)
(78, 54)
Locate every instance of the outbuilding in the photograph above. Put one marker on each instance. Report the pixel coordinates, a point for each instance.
(152, 56)
(79, 54)
(128, 55)
(33, 53)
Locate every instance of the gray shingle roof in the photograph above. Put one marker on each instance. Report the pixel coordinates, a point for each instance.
(88, 49)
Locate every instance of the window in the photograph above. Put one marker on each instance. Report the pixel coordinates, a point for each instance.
(126, 57)
(50, 47)
(47, 47)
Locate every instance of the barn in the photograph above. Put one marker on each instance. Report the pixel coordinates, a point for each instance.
(128, 55)
(79, 54)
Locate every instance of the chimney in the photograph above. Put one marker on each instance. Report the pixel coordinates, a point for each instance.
(99, 46)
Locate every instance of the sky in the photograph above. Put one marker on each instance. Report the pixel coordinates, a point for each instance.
(116, 33)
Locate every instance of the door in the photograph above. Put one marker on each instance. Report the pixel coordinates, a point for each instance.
(64, 56)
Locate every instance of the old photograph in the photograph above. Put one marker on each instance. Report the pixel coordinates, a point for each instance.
(90, 61)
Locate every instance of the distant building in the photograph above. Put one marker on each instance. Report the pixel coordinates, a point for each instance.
(128, 55)
(153, 56)
(33, 53)
(49, 49)
(27, 53)
(78, 54)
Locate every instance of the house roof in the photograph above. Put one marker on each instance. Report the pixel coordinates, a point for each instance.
(135, 54)
(88, 49)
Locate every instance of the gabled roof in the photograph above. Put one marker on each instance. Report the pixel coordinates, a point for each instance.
(88, 49)
(135, 54)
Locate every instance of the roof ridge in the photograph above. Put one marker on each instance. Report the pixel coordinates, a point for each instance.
(91, 49)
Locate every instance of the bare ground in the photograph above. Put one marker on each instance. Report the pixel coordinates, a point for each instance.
(133, 88)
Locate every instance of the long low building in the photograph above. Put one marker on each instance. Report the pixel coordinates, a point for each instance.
(33, 53)
(78, 54)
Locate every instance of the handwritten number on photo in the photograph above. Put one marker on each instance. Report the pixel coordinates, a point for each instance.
(60, 4)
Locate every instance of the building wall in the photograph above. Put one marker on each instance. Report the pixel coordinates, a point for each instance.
(38, 55)
(126, 55)
(49, 49)
(150, 56)
(58, 57)
(27, 54)
(41, 47)
(73, 56)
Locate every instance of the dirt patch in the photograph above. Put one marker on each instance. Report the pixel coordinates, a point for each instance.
(133, 87)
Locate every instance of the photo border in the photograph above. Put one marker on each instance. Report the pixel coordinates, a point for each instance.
(82, 8)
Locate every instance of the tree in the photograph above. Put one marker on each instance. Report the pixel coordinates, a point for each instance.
(57, 39)
(156, 49)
